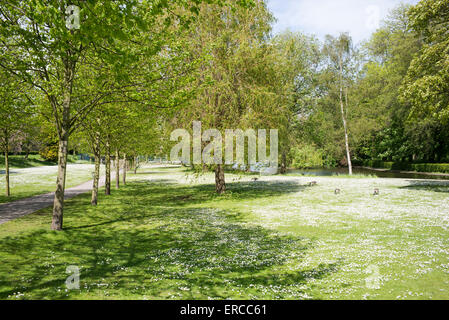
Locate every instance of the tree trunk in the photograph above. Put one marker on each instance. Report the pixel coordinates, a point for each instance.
(8, 192)
(63, 126)
(58, 204)
(220, 185)
(348, 153)
(136, 161)
(107, 189)
(117, 169)
(124, 169)
(96, 148)
(284, 163)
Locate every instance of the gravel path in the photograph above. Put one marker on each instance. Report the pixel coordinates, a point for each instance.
(20, 208)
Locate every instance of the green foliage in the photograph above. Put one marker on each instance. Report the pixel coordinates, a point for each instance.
(430, 167)
(397, 102)
(50, 152)
(426, 86)
(404, 166)
(377, 164)
(306, 157)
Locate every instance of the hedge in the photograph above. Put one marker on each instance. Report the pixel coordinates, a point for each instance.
(418, 167)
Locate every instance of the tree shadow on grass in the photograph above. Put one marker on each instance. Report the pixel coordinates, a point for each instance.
(21, 162)
(426, 185)
(181, 195)
(11, 171)
(146, 173)
(152, 246)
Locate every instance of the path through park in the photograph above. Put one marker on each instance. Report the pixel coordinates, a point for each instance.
(22, 207)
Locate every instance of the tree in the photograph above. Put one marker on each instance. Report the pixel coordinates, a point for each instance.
(426, 86)
(380, 126)
(230, 78)
(294, 60)
(339, 51)
(14, 113)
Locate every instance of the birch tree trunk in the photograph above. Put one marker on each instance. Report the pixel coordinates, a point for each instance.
(117, 169)
(58, 204)
(107, 189)
(124, 169)
(97, 154)
(63, 132)
(348, 153)
(6, 146)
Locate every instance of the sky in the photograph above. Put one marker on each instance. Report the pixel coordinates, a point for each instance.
(320, 17)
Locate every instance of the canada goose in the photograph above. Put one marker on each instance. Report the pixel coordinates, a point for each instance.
(337, 191)
(376, 192)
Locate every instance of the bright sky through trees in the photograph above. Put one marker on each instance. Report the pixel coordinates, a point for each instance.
(321, 17)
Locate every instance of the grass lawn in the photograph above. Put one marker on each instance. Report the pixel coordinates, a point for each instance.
(38, 180)
(166, 235)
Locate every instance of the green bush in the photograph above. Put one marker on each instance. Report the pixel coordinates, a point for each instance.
(50, 153)
(404, 166)
(307, 157)
(378, 164)
(431, 167)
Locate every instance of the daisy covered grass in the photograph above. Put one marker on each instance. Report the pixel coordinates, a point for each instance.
(167, 235)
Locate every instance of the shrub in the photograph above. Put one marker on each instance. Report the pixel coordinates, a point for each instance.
(431, 167)
(418, 167)
(378, 164)
(50, 153)
(306, 157)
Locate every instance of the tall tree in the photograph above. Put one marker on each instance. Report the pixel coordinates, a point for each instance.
(233, 43)
(427, 83)
(339, 51)
(14, 114)
(294, 62)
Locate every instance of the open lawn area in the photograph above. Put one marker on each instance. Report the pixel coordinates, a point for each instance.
(32, 181)
(167, 235)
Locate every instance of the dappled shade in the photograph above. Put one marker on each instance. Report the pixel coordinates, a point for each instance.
(158, 240)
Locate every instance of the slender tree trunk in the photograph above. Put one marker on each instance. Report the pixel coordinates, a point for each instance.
(96, 148)
(63, 126)
(124, 169)
(136, 163)
(8, 191)
(348, 153)
(117, 169)
(220, 185)
(107, 189)
(58, 204)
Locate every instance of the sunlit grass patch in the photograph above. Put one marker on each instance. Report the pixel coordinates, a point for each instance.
(39, 180)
